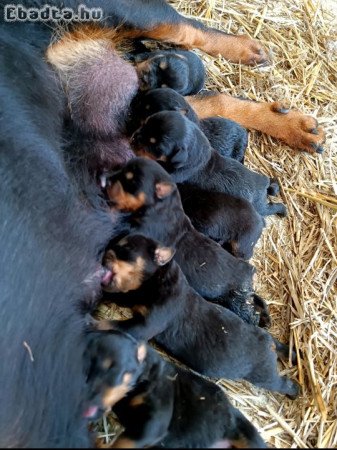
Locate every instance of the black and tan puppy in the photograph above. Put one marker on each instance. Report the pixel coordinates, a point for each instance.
(144, 190)
(232, 222)
(171, 407)
(225, 136)
(113, 364)
(208, 338)
(185, 152)
(180, 70)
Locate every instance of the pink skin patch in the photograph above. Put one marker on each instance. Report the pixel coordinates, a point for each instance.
(107, 277)
(90, 412)
(100, 91)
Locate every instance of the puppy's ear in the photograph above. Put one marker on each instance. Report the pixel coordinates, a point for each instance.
(163, 255)
(180, 156)
(164, 189)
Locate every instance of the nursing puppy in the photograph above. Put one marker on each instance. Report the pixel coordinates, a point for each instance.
(172, 407)
(180, 70)
(113, 364)
(208, 338)
(185, 152)
(145, 191)
(232, 222)
(226, 136)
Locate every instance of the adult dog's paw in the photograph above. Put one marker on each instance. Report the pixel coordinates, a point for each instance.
(297, 130)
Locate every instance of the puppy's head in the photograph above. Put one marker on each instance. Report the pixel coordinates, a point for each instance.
(164, 137)
(164, 70)
(113, 363)
(140, 183)
(133, 260)
(162, 99)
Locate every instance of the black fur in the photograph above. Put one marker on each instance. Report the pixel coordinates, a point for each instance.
(180, 70)
(50, 250)
(232, 222)
(188, 157)
(208, 338)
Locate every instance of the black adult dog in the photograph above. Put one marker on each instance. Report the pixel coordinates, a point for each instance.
(209, 339)
(49, 242)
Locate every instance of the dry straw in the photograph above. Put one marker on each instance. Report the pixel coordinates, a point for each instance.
(296, 259)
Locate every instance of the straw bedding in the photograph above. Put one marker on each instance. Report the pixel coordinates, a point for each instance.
(296, 258)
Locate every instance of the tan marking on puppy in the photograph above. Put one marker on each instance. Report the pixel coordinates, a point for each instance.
(163, 255)
(123, 200)
(240, 443)
(113, 395)
(137, 401)
(141, 353)
(128, 276)
(143, 67)
(234, 247)
(124, 442)
(140, 309)
(123, 242)
(107, 363)
(103, 325)
(129, 175)
(144, 154)
(153, 140)
(164, 189)
(163, 65)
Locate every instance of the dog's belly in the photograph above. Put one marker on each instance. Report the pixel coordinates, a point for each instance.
(100, 86)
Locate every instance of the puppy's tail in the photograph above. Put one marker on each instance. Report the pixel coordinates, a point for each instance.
(241, 434)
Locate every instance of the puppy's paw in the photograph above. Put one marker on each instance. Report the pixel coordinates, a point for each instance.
(261, 307)
(296, 129)
(294, 389)
(273, 188)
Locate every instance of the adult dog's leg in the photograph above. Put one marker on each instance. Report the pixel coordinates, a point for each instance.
(192, 34)
(292, 127)
(166, 24)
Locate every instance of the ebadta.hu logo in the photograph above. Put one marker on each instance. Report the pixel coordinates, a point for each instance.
(15, 13)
